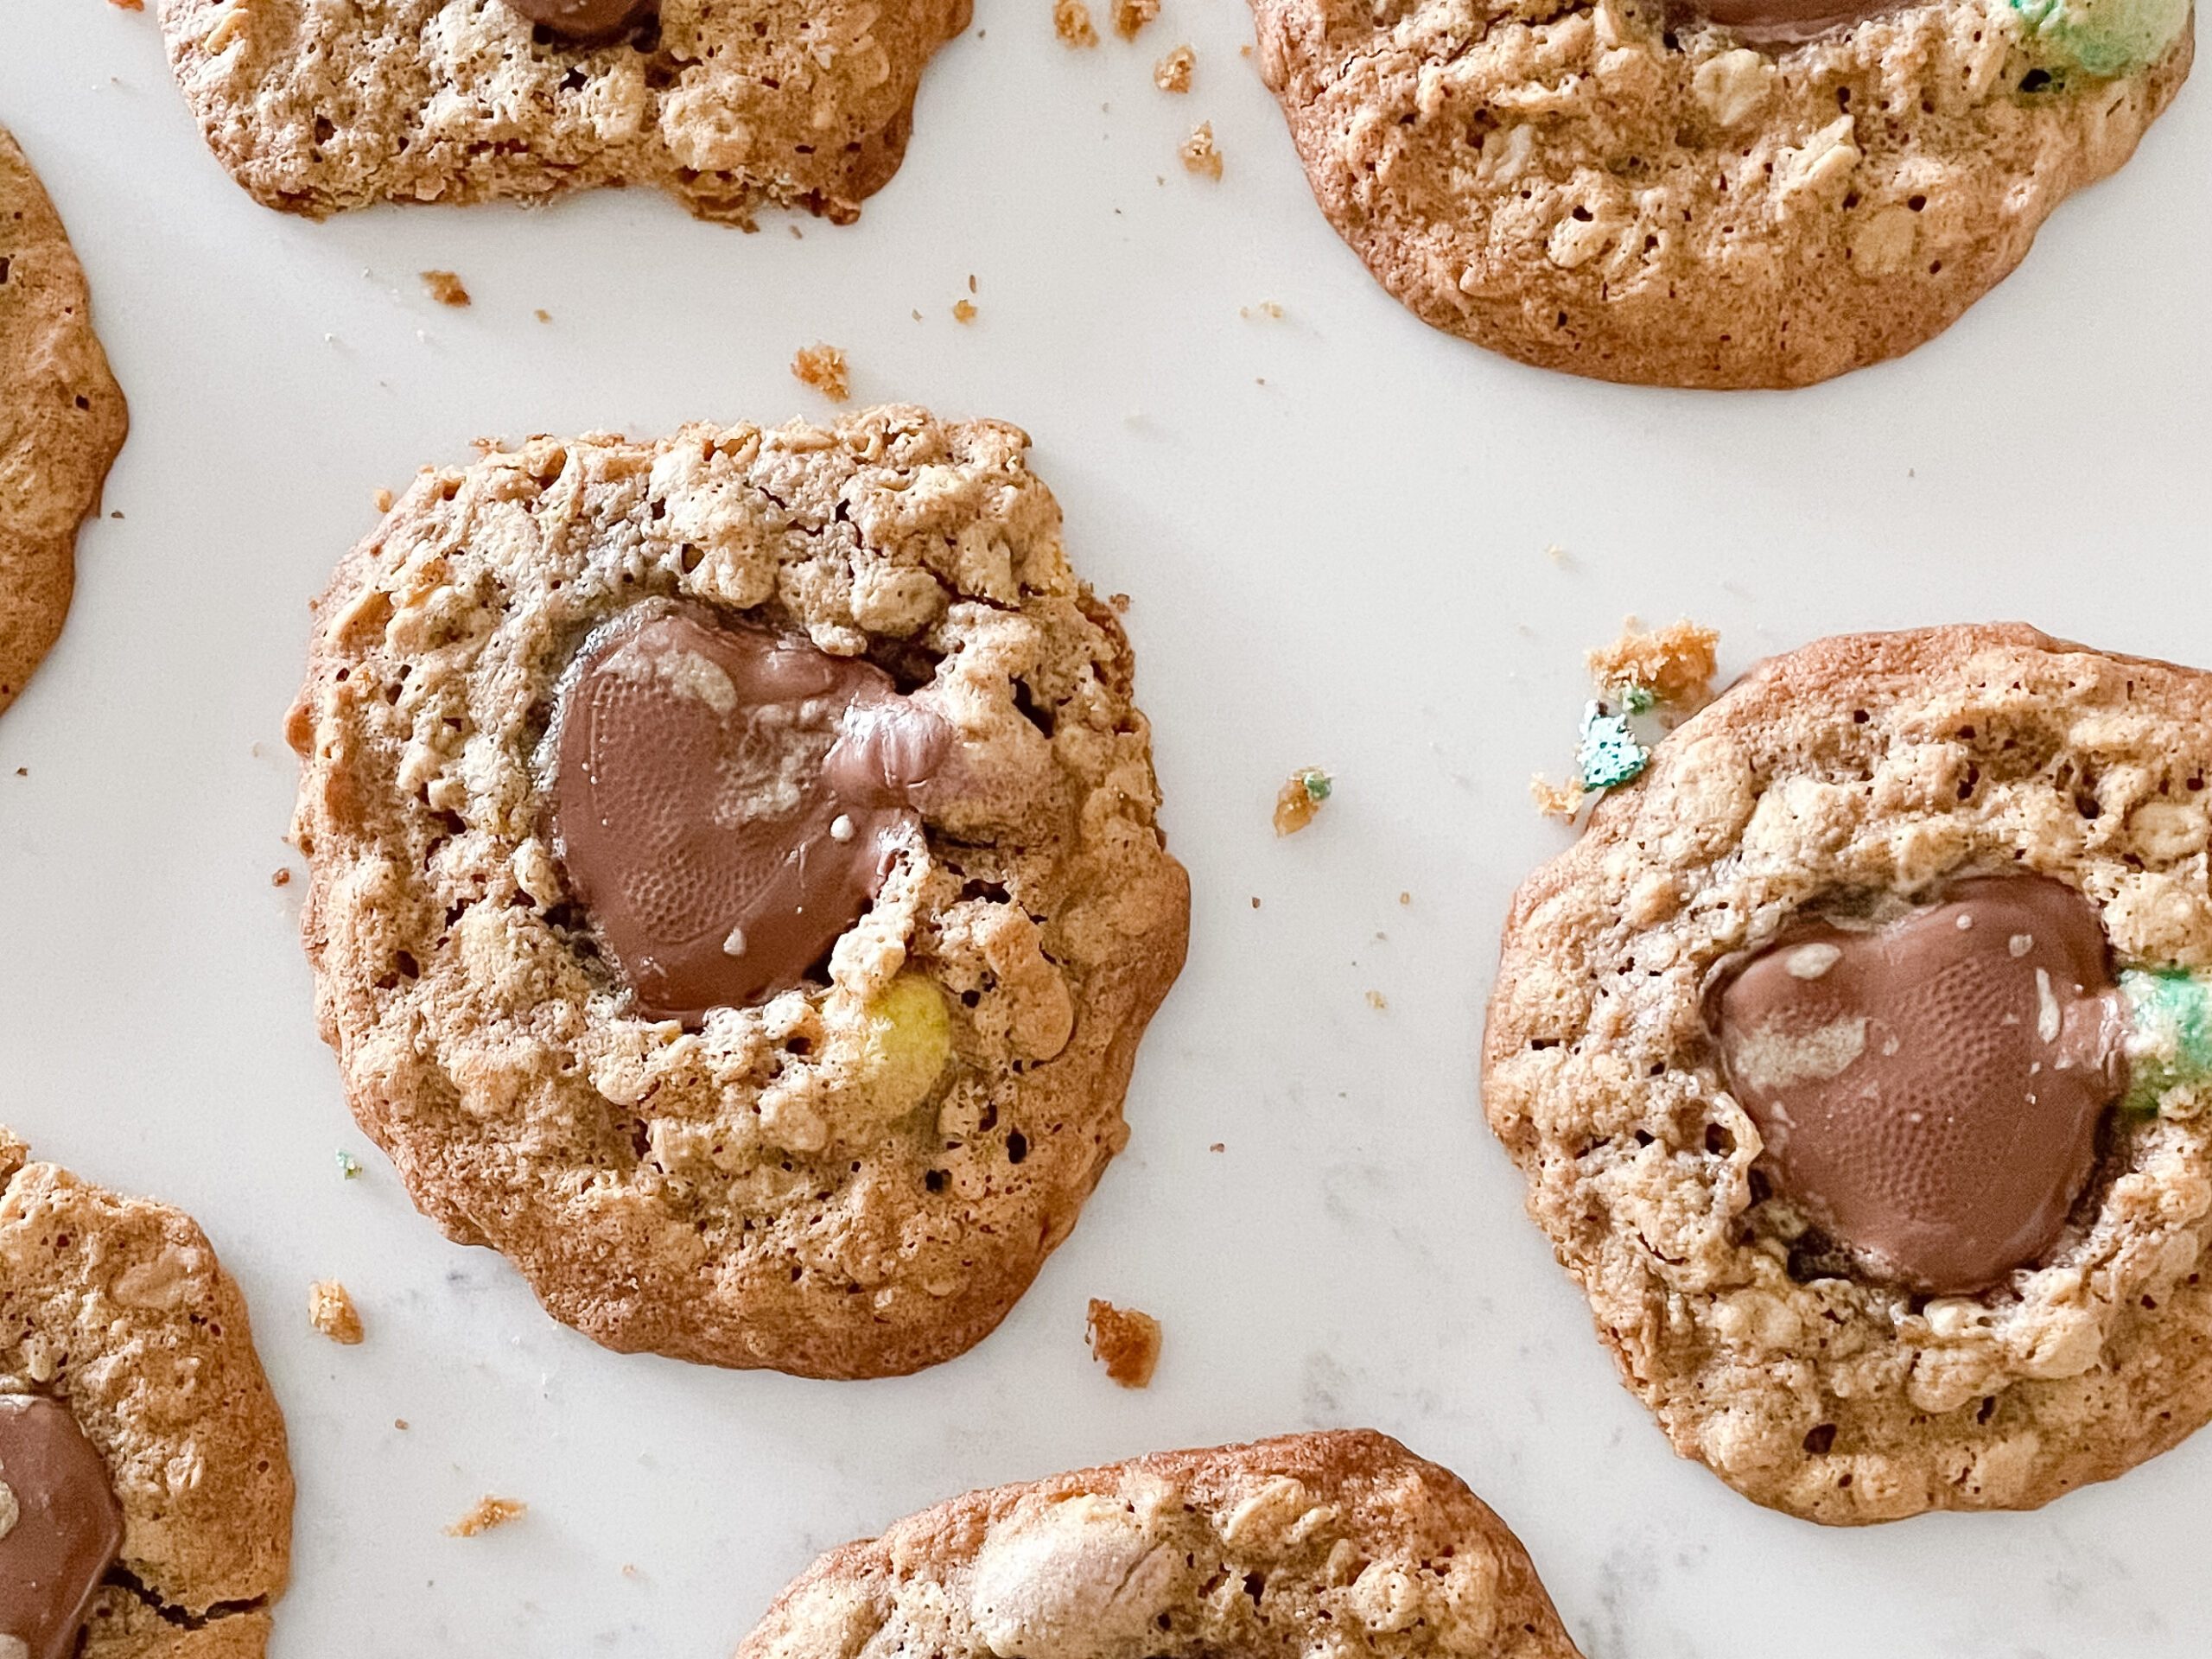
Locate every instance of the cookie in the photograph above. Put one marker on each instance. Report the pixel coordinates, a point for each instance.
(1709, 193)
(145, 1500)
(803, 103)
(1856, 1057)
(1339, 1542)
(61, 420)
(735, 894)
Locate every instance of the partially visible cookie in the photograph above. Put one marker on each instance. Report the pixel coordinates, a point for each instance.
(1341, 1541)
(736, 889)
(1709, 193)
(1858, 1057)
(799, 104)
(142, 1468)
(61, 419)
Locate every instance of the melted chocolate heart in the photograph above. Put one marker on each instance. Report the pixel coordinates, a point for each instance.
(1777, 22)
(60, 1525)
(587, 23)
(1929, 1090)
(728, 801)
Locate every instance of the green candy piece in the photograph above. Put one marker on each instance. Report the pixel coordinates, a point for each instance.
(2101, 37)
(1609, 753)
(2169, 1011)
(1636, 699)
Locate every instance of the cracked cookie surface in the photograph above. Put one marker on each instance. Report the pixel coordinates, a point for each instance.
(855, 1178)
(1336, 1542)
(803, 103)
(117, 1308)
(61, 419)
(1584, 187)
(1873, 767)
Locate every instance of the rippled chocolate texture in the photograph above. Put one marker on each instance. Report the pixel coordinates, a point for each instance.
(587, 23)
(1777, 22)
(728, 801)
(1929, 1090)
(59, 1525)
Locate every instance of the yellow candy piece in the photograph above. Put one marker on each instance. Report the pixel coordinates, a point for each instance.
(906, 1039)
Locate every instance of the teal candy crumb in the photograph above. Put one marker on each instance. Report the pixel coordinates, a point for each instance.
(1638, 700)
(348, 1165)
(2103, 37)
(2171, 1009)
(1317, 786)
(1609, 753)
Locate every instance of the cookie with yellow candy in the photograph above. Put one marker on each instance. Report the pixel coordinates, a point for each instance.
(735, 891)
(1341, 1541)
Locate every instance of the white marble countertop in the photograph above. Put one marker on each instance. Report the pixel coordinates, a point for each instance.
(1334, 527)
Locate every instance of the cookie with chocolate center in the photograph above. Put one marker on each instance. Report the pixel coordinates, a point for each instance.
(1857, 1057)
(735, 894)
(805, 104)
(61, 420)
(1342, 1541)
(1709, 193)
(145, 1499)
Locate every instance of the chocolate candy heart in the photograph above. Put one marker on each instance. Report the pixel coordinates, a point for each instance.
(728, 801)
(59, 1525)
(1929, 1090)
(587, 22)
(1777, 22)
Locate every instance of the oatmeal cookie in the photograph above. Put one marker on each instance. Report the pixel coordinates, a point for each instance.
(1709, 193)
(1336, 1542)
(799, 104)
(145, 1494)
(61, 420)
(1855, 1057)
(735, 890)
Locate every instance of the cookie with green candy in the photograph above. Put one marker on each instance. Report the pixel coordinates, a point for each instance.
(735, 894)
(1856, 1056)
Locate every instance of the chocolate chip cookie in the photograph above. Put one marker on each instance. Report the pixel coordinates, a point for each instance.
(61, 419)
(803, 104)
(1341, 1541)
(735, 891)
(145, 1501)
(1859, 1058)
(1709, 193)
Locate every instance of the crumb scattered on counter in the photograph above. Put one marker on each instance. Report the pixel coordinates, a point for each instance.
(281, 879)
(383, 499)
(399, 1423)
(1299, 800)
(1556, 554)
(489, 1512)
(331, 1310)
(1264, 308)
(1120, 602)
(1405, 898)
(1674, 664)
(964, 311)
(128, 5)
(824, 368)
(1124, 1341)
(445, 288)
(1376, 1000)
(1218, 1146)
(1130, 15)
(1198, 153)
(1172, 72)
(348, 1165)
(543, 316)
(1071, 22)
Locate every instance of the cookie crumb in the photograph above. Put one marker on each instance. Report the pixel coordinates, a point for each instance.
(348, 1165)
(1130, 15)
(1071, 22)
(1264, 308)
(1255, 901)
(824, 368)
(1376, 1000)
(964, 311)
(1124, 1341)
(1218, 1146)
(1172, 72)
(542, 316)
(330, 1310)
(383, 500)
(1299, 800)
(399, 1423)
(489, 1512)
(128, 5)
(281, 879)
(1675, 665)
(1198, 153)
(445, 288)
(1557, 555)
(1556, 800)
(1405, 898)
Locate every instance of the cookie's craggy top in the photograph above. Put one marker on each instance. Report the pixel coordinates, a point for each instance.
(1864, 766)
(1572, 185)
(61, 419)
(1335, 1544)
(118, 1307)
(791, 103)
(745, 1194)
